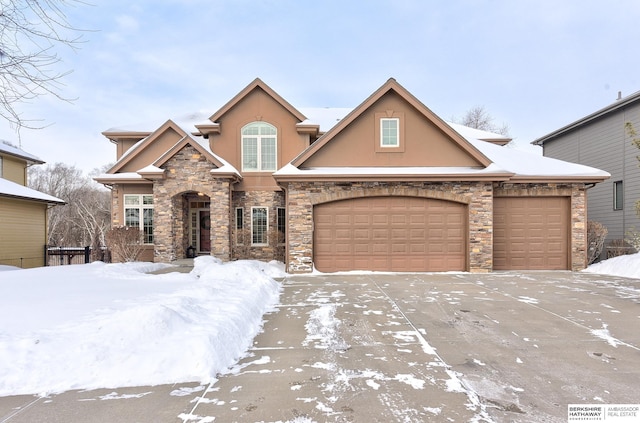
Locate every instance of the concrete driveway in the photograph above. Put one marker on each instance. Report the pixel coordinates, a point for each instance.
(502, 347)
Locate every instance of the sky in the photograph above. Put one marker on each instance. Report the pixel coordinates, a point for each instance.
(533, 65)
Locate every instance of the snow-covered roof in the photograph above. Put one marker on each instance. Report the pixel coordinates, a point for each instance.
(479, 134)
(523, 163)
(226, 167)
(507, 163)
(12, 189)
(326, 117)
(8, 148)
(185, 121)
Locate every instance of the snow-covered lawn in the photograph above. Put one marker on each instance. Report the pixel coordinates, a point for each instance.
(114, 325)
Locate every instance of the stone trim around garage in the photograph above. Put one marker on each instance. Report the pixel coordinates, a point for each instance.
(302, 196)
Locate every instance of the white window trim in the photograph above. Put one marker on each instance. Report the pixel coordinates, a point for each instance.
(141, 207)
(615, 195)
(260, 244)
(259, 138)
(397, 121)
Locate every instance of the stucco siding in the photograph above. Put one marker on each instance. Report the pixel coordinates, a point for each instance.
(22, 233)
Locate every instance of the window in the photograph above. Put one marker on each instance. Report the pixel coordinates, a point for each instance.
(281, 224)
(138, 213)
(259, 225)
(259, 141)
(239, 218)
(618, 195)
(389, 132)
(239, 225)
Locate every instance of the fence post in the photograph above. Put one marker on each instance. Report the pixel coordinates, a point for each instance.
(87, 251)
(46, 255)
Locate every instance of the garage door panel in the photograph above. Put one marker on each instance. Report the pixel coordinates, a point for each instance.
(531, 233)
(392, 234)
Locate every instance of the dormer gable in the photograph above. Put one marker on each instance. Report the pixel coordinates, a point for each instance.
(256, 84)
(147, 151)
(391, 128)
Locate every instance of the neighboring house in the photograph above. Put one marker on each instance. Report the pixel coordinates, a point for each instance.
(601, 140)
(23, 211)
(390, 186)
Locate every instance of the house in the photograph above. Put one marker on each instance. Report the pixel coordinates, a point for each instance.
(601, 140)
(23, 211)
(388, 186)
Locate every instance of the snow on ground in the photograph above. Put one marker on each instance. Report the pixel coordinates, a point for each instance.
(113, 325)
(627, 266)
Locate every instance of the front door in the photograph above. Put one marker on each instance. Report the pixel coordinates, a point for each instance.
(200, 229)
(204, 220)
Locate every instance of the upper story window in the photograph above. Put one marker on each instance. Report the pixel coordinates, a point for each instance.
(389, 132)
(618, 195)
(259, 142)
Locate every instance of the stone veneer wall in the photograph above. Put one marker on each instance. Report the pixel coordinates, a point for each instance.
(241, 242)
(577, 194)
(189, 171)
(302, 196)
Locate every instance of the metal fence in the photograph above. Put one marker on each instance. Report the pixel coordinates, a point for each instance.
(60, 256)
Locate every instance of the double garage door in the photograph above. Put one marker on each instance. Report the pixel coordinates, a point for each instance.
(411, 234)
(407, 234)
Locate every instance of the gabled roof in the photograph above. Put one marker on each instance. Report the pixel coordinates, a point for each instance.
(257, 83)
(142, 144)
(392, 85)
(619, 104)
(11, 150)
(153, 170)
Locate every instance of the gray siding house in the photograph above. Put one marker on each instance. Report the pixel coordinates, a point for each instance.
(601, 140)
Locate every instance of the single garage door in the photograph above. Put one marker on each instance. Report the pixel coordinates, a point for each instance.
(400, 234)
(531, 233)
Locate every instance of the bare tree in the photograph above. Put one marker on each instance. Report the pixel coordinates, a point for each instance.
(479, 118)
(86, 217)
(30, 32)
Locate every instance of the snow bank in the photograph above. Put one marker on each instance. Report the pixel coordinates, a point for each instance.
(112, 325)
(627, 266)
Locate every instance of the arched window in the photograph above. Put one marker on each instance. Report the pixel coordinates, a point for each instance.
(259, 142)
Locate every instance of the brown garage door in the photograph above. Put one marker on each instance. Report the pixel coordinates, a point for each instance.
(405, 234)
(531, 233)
